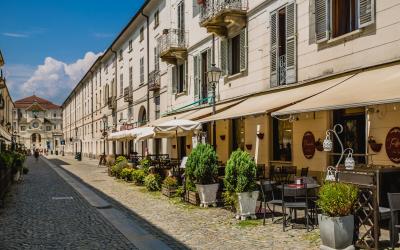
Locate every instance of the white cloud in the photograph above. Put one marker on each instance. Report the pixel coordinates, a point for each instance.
(15, 35)
(53, 79)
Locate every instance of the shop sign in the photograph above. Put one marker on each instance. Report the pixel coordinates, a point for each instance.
(308, 145)
(126, 127)
(392, 145)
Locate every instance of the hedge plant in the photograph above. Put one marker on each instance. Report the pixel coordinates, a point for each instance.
(138, 176)
(201, 166)
(126, 174)
(119, 165)
(337, 199)
(240, 173)
(170, 182)
(153, 182)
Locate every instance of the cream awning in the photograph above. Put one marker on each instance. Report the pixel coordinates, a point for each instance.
(375, 86)
(3, 134)
(273, 100)
(176, 127)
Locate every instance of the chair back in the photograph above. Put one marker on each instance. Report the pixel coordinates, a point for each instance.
(304, 172)
(294, 193)
(260, 171)
(289, 172)
(394, 201)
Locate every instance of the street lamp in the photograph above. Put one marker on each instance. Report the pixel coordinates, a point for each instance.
(104, 133)
(213, 77)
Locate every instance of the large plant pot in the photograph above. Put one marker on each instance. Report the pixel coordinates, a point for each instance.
(336, 232)
(208, 194)
(247, 204)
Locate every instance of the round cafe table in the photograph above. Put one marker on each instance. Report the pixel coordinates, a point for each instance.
(300, 186)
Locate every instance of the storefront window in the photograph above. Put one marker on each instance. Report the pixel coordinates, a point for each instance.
(237, 134)
(282, 140)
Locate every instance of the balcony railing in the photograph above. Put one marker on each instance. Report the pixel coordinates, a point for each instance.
(128, 94)
(112, 102)
(173, 44)
(282, 70)
(154, 80)
(218, 16)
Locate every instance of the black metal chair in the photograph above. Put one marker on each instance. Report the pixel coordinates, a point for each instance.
(304, 172)
(289, 172)
(295, 199)
(394, 204)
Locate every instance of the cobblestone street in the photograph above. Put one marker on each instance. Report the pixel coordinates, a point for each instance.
(44, 212)
(196, 228)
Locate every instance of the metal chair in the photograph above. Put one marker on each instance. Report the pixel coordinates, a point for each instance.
(295, 199)
(304, 172)
(394, 204)
(289, 172)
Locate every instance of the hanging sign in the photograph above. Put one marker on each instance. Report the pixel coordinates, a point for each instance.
(308, 145)
(392, 145)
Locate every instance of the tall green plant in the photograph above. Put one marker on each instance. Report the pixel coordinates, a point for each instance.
(337, 199)
(201, 166)
(240, 173)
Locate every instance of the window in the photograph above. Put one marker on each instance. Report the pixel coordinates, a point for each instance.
(121, 116)
(234, 54)
(141, 34)
(282, 140)
(156, 19)
(181, 15)
(54, 115)
(237, 134)
(334, 18)
(23, 128)
(156, 59)
(179, 78)
(120, 55)
(106, 69)
(48, 128)
(141, 70)
(130, 46)
(283, 54)
(196, 8)
(55, 126)
(131, 77)
(121, 84)
(157, 108)
(130, 112)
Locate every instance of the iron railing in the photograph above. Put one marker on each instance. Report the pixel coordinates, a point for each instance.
(172, 39)
(212, 8)
(112, 102)
(282, 70)
(154, 80)
(128, 94)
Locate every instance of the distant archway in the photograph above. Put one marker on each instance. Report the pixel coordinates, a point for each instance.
(142, 119)
(36, 138)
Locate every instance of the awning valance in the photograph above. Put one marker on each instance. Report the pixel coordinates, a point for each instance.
(176, 127)
(374, 86)
(271, 101)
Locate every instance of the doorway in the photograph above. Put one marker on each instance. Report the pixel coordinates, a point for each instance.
(182, 147)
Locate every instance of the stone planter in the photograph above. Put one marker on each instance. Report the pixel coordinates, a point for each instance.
(207, 194)
(247, 204)
(168, 191)
(336, 232)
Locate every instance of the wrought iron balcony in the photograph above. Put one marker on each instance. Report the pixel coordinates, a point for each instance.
(154, 80)
(128, 94)
(112, 102)
(282, 70)
(173, 44)
(223, 16)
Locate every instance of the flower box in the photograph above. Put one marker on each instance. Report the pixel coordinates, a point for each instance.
(192, 198)
(168, 191)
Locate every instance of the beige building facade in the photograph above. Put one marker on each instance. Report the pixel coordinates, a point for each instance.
(273, 54)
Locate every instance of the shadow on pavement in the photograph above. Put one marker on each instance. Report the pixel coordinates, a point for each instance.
(58, 162)
(149, 227)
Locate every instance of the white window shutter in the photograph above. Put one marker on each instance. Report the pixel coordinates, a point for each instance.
(196, 77)
(322, 20)
(366, 15)
(174, 79)
(311, 27)
(291, 43)
(243, 49)
(186, 75)
(224, 56)
(209, 63)
(274, 49)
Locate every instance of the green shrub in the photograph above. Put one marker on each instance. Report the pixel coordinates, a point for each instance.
(145, 164)
(337, 199)
(240, 173)
(153, 182)
(170, 182)
(230, 200)
(180, 191)
(6, 160)
(117, 168)
(126, 174)
(201, 166)
(138, 176)
(120, 159)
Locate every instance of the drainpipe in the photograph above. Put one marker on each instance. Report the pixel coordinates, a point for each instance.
(148, 63)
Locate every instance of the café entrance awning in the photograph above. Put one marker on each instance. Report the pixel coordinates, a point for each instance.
(268, 102)
(370, 87)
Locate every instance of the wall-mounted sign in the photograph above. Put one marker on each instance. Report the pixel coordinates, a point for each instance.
(308, 145)
(392, 145)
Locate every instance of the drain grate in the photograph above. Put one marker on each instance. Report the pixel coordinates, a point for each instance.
(62, 198)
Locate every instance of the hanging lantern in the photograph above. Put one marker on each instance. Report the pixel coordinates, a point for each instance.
(327, 144)
(349, 163)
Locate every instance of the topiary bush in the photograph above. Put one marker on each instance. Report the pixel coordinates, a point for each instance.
(6, 160)
(201, 166)
(126, 174)
(138, 176)
(240, 173)
(337, 199)
(153, 182)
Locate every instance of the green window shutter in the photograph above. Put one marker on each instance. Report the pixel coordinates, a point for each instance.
(274, 50)
(174, 79)
(224, 56)
(321, 20)
(366, 15)
(291, 43)
(243, 49)
(196, 77)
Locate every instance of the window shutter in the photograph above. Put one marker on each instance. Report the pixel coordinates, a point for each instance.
(186, 75)
(209, 63)
(174, 79)
(321, 20)
(311, 27)
(366, 15)
(196, 77)
(243, 49)
(224, 56)
(291, 43)
(196, 8)
(274, 50)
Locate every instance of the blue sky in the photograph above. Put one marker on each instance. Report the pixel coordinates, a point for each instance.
(49, 44)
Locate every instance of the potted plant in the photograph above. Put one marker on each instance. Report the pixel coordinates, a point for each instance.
(153, 182)
(202, 170)
(336, 223)
(240, 179)
(17, 165)
(169, 186)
